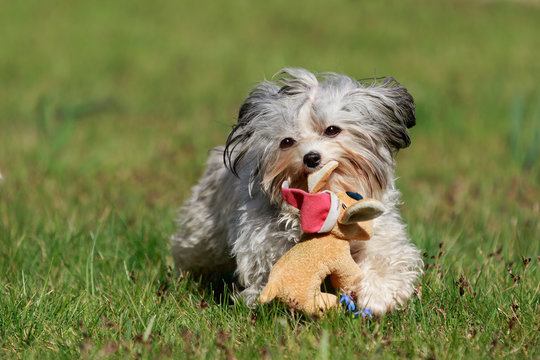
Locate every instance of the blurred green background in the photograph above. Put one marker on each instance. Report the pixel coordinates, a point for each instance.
(117, 103)
(108, 110)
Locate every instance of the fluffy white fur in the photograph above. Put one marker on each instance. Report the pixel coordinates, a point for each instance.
(236, 219)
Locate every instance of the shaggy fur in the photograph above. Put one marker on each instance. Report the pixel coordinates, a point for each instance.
(236, 218)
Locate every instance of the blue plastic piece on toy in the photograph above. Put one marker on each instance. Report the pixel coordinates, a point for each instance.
(355, 196)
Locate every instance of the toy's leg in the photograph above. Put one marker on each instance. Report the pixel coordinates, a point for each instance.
(321, 303)
(269, 292)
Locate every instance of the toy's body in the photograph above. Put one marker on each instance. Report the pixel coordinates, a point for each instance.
(297, 276)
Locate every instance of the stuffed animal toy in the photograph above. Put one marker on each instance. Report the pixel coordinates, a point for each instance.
(329, 221)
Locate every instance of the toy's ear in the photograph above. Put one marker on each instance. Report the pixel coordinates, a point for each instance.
(363, 210)
(317, 180)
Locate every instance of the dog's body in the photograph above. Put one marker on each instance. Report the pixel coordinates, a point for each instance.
(236, 219)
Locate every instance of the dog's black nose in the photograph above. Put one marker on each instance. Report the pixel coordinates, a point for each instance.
(312, 159)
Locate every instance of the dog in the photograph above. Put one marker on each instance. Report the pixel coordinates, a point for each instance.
(236, 219)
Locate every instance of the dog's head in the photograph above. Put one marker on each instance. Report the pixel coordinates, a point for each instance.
(293, 126)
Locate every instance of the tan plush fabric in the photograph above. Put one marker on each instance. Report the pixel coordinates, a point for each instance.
(297, 276)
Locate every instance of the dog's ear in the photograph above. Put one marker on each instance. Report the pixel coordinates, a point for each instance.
(239, 141)
(396, 107)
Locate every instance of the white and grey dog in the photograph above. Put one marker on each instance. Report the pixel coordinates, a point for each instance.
(236, 218)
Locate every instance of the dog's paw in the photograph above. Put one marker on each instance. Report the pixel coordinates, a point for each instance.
(380, 297)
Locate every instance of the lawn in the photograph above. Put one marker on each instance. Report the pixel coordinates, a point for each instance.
(108, 110)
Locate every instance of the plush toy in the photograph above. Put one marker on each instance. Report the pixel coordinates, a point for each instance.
(329, 222)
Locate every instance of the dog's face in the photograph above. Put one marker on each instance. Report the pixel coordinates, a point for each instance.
(290, 128)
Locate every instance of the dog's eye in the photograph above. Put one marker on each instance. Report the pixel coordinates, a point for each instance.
(286, 143)
(332, 131)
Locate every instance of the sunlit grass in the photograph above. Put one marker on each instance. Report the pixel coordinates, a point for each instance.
(108, 111)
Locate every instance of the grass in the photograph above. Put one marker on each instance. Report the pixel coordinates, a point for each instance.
(107, 112)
